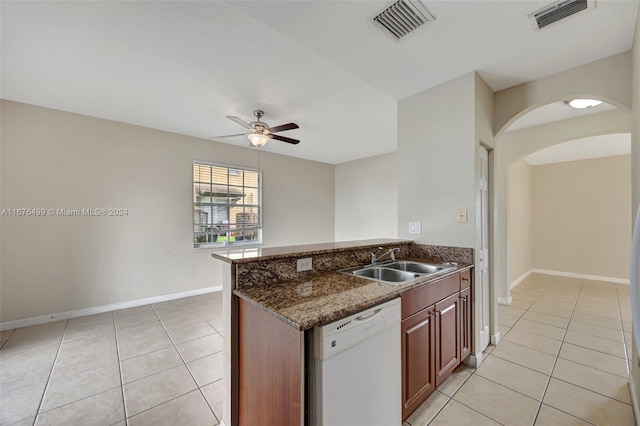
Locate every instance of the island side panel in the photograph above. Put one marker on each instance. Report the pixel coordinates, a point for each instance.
(270, 367)
(230, 345)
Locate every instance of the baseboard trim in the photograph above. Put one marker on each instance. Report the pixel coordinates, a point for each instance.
(474, 361)
(505, 300)
(495, 339)
(521, 278)
(634, 399)
(10, 325)
(583, 276)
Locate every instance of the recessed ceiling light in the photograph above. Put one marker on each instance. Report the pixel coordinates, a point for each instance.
(582, 103)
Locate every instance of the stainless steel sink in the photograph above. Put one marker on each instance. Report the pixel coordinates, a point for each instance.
(422, 268)
(385, 274)
(398, 273)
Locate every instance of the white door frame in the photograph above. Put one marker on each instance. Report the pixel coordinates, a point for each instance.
(482, 276)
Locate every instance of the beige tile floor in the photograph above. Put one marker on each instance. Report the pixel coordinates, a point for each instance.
(562, 360)
(158, 364)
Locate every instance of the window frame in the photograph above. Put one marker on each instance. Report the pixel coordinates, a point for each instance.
(228, 204)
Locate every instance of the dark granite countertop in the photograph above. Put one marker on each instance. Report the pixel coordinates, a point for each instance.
(327, 297)
(252, 254)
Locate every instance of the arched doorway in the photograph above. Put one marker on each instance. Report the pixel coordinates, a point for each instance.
(516, 144)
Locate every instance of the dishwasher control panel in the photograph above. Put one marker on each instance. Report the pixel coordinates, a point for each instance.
(337, 336)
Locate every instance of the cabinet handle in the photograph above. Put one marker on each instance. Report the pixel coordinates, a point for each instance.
(465, 279)
(464, 298)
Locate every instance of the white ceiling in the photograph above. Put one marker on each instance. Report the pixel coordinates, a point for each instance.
(494, 37)
(583, 149)
(183, 66)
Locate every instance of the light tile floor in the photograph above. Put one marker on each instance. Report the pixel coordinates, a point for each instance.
(158, 364)
(562, 360)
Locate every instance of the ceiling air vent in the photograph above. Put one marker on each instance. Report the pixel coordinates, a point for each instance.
(559, 10)
(402, 17)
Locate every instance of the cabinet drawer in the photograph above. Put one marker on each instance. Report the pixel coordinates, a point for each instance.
(421, 297)
(465, 279)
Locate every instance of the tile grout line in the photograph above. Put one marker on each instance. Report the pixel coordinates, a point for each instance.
(184, 361)
(475, 370)
(46, 387)
(555, 361)
(624, 340)
(7, 339)
(126, 414)
(124, 400)
(502, 340)
(188, 369)
(566, 330)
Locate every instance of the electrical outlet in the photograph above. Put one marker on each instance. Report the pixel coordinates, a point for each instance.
(304, 264)
(415, 228)
(462, 215)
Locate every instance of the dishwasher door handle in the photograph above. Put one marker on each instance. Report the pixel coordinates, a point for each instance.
(369, 316)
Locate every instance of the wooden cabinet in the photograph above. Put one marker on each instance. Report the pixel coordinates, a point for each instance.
(418, 359)
(270, 364)
(447, 321)
(465, 323)
(436, 336)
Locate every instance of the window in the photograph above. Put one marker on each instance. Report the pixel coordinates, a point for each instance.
(227, 205)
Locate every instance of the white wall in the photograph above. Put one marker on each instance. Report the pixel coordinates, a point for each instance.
(62, 160)
(436, 163)
(592, 80)
(635, 190)
(582, 216)
(608, 79)
(519, 220)
(367, 198)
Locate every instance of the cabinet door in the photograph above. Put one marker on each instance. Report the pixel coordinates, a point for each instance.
(447, 316)
(270, 369)
(418, 367)
(465, 323)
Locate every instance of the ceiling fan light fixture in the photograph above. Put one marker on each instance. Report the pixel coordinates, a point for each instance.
(583, 103)
(258, 139)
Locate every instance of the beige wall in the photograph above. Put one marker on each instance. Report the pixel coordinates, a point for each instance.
(635, 187)
(593, 80)
(582, 216)
(608, 79)
(367, 198)
(519, 220)
(62, 160)
(437, 163)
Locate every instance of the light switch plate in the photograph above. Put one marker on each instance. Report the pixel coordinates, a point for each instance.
(304, 264)
(415, 228)
(462, 215)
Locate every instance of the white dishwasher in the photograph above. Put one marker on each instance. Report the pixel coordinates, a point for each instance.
(358, 369)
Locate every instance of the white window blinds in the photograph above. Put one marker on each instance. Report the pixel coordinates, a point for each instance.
(227, 205)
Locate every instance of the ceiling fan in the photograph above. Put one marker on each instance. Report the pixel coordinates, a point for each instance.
(260, 132)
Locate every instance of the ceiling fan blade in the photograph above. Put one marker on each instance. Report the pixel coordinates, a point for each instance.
(287, 140)
(283, 127)
(239, 121)
(228, 136)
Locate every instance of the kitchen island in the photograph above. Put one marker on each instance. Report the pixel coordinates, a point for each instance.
(270, 309)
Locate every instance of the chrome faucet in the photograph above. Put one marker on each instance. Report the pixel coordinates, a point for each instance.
(392, 252)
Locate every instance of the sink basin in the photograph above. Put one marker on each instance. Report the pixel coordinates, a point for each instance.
(422, 268)
(385, 274)
(397, 273)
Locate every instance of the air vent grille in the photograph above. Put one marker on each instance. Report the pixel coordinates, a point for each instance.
(559, 10)
(401, 18)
